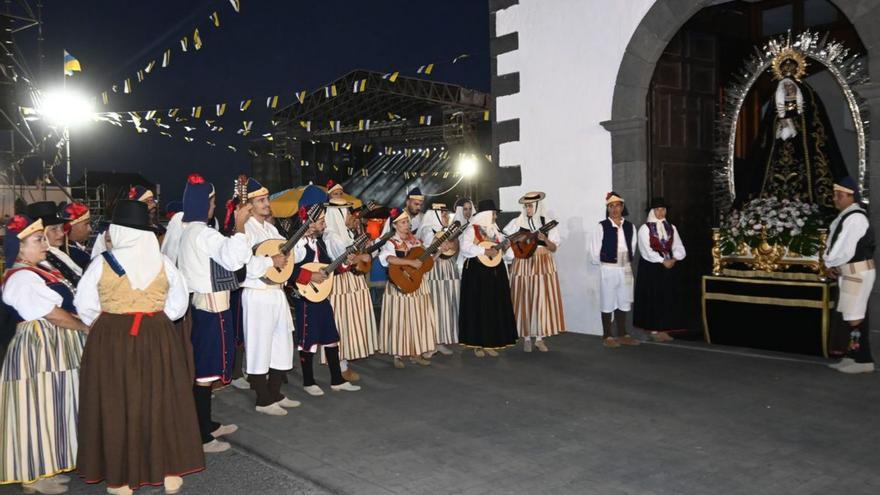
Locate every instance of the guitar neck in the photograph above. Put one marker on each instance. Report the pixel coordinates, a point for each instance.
(285, 249)
(547, 228)
(448, 235)
(379, 243)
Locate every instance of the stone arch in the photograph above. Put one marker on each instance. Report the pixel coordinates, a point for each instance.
(628, 124)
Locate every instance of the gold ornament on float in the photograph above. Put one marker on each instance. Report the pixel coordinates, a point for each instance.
(789, 62)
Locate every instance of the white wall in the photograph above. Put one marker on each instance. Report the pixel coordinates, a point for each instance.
(568, 57)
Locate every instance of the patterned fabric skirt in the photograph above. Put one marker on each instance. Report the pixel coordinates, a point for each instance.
(409, 324)
(355, 319)
(537, 299)
(137, 420)
(443, 283)
(39, 399)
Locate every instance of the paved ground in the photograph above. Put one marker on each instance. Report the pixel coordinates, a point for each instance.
(658, 419)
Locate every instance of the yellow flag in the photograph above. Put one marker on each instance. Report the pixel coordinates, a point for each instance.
(197, 112)
(244, 105)
(105, 97)
(197, 40)
(221, 109)
(215, 18)
(486, 116)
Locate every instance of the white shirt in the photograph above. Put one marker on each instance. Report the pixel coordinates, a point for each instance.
(29, 295)
(599, 234)
(649, 254)
(256, 233)
(853, 230)
(469, 248)
(173, 233)
(88, 302)
(199, 244)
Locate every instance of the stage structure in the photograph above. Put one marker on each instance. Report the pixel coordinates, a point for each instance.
(380, 137)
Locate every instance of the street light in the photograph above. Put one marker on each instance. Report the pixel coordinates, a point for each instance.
(65, 109)
(467, 165)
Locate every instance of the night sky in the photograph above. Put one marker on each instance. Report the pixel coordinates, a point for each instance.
(270, 47)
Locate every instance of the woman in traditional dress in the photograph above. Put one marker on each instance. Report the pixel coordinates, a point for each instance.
(443, 280)
(53, 225)
(350, 296)
(409, 324)
(40, 374)
(658, 302)
(486, 321)
(137, 422)
(537, 299)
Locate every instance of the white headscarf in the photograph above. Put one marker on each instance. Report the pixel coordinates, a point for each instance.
(173, 235)
(431, 224)
(459, 213)
(787, 130)
(138, 253)
(532, 223)
(661, 230)
(484, 220)
(335, 218)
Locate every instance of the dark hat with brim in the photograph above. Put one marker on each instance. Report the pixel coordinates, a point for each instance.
(486, 204)
(132, 214)
(657, 202)
(47, 211)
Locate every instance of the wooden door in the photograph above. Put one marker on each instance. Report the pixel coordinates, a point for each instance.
(681, 145)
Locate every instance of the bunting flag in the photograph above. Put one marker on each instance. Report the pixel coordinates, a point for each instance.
(197, 112)
(209, 123)
(197, 40)
(364, 125)
(215, 18)
(426, 69)
(166, 58)
(364, 172)
(252, 152)
(140, 76)
(184, 43)
(173, 112)
(460, 57)
(165, 134)
(268, 136)
(105, 97)
(188, 139)
(233, 148)
(486, 115)
(149, 67)
(320, 166)
(272, 102)
(188, 128)
(335, 125)
(244, 105)
(221, 109)
(160, 124)
(114, 88)
(127, 89)
(210, 143)
(246, 127)
(391, 76)
(150, 114)
(301, 96)
(393, 116)
(335, 146)
(346, 146)
(306, 124)
(335, 168)
(330, 91)
(236, 4)
(368, 148)
(359, 86)
(424, 120)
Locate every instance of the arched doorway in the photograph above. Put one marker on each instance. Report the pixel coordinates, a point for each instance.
(673, 70)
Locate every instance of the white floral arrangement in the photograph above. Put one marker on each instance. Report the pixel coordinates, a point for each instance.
(789, 223)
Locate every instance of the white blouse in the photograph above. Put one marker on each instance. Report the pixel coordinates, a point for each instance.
(389, 249)
(88, 302)
(470, 249)
(29, 295)
(649, 254)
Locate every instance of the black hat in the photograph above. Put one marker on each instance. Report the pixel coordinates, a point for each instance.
(486, 204)
(657, 202)
(132, 214)
(46, 211)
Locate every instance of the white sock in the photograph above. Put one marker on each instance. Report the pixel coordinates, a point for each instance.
(538, 339)
(343, 364)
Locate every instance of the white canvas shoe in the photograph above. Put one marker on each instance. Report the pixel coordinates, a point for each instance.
(224, 430)
(843, 362)
(856, 368)
(241, 384)
(45, 485)
(120, 490)
(215, 446)
(314, 390)
(173, 484)
(442, 349)
(272, 410)
(288, 403)
(527, 344)
(344, 387)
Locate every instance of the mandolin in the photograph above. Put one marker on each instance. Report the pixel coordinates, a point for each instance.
(364, 266)
(495, 260)
(407, 278)
(524, 243)
(315, 292)
(271, 247)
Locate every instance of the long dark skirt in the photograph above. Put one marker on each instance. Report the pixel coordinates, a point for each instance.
(137, 418)
(658, 300)
(485, 318)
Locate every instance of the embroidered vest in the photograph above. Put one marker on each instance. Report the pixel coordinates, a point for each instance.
(664, 248)
(608, 252)
(865, 246)
(52, 282)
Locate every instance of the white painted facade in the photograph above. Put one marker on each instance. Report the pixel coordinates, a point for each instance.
(568, 58)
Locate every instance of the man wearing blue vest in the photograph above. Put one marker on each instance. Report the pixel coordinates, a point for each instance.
(849, 257)
(612, 248)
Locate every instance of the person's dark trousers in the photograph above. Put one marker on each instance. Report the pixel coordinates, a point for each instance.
(202, 397)
(860, 342)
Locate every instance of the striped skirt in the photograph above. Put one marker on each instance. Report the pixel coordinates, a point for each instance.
(444, 283)
(537, 299)
(355, 319)
(409, 325)
(39, 402)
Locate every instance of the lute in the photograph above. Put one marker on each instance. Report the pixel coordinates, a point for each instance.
(271, 247)
(364, 266)
(524, 243)
(317, 292)
(493, 261)
(407, 278)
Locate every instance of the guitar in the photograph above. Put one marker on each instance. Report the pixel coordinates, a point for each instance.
(271, 247)
(364, 266)
(315, 292)
(495, 260)
(524, 243)
(407, 278)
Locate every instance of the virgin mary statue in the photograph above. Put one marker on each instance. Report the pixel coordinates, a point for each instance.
(795, 155)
